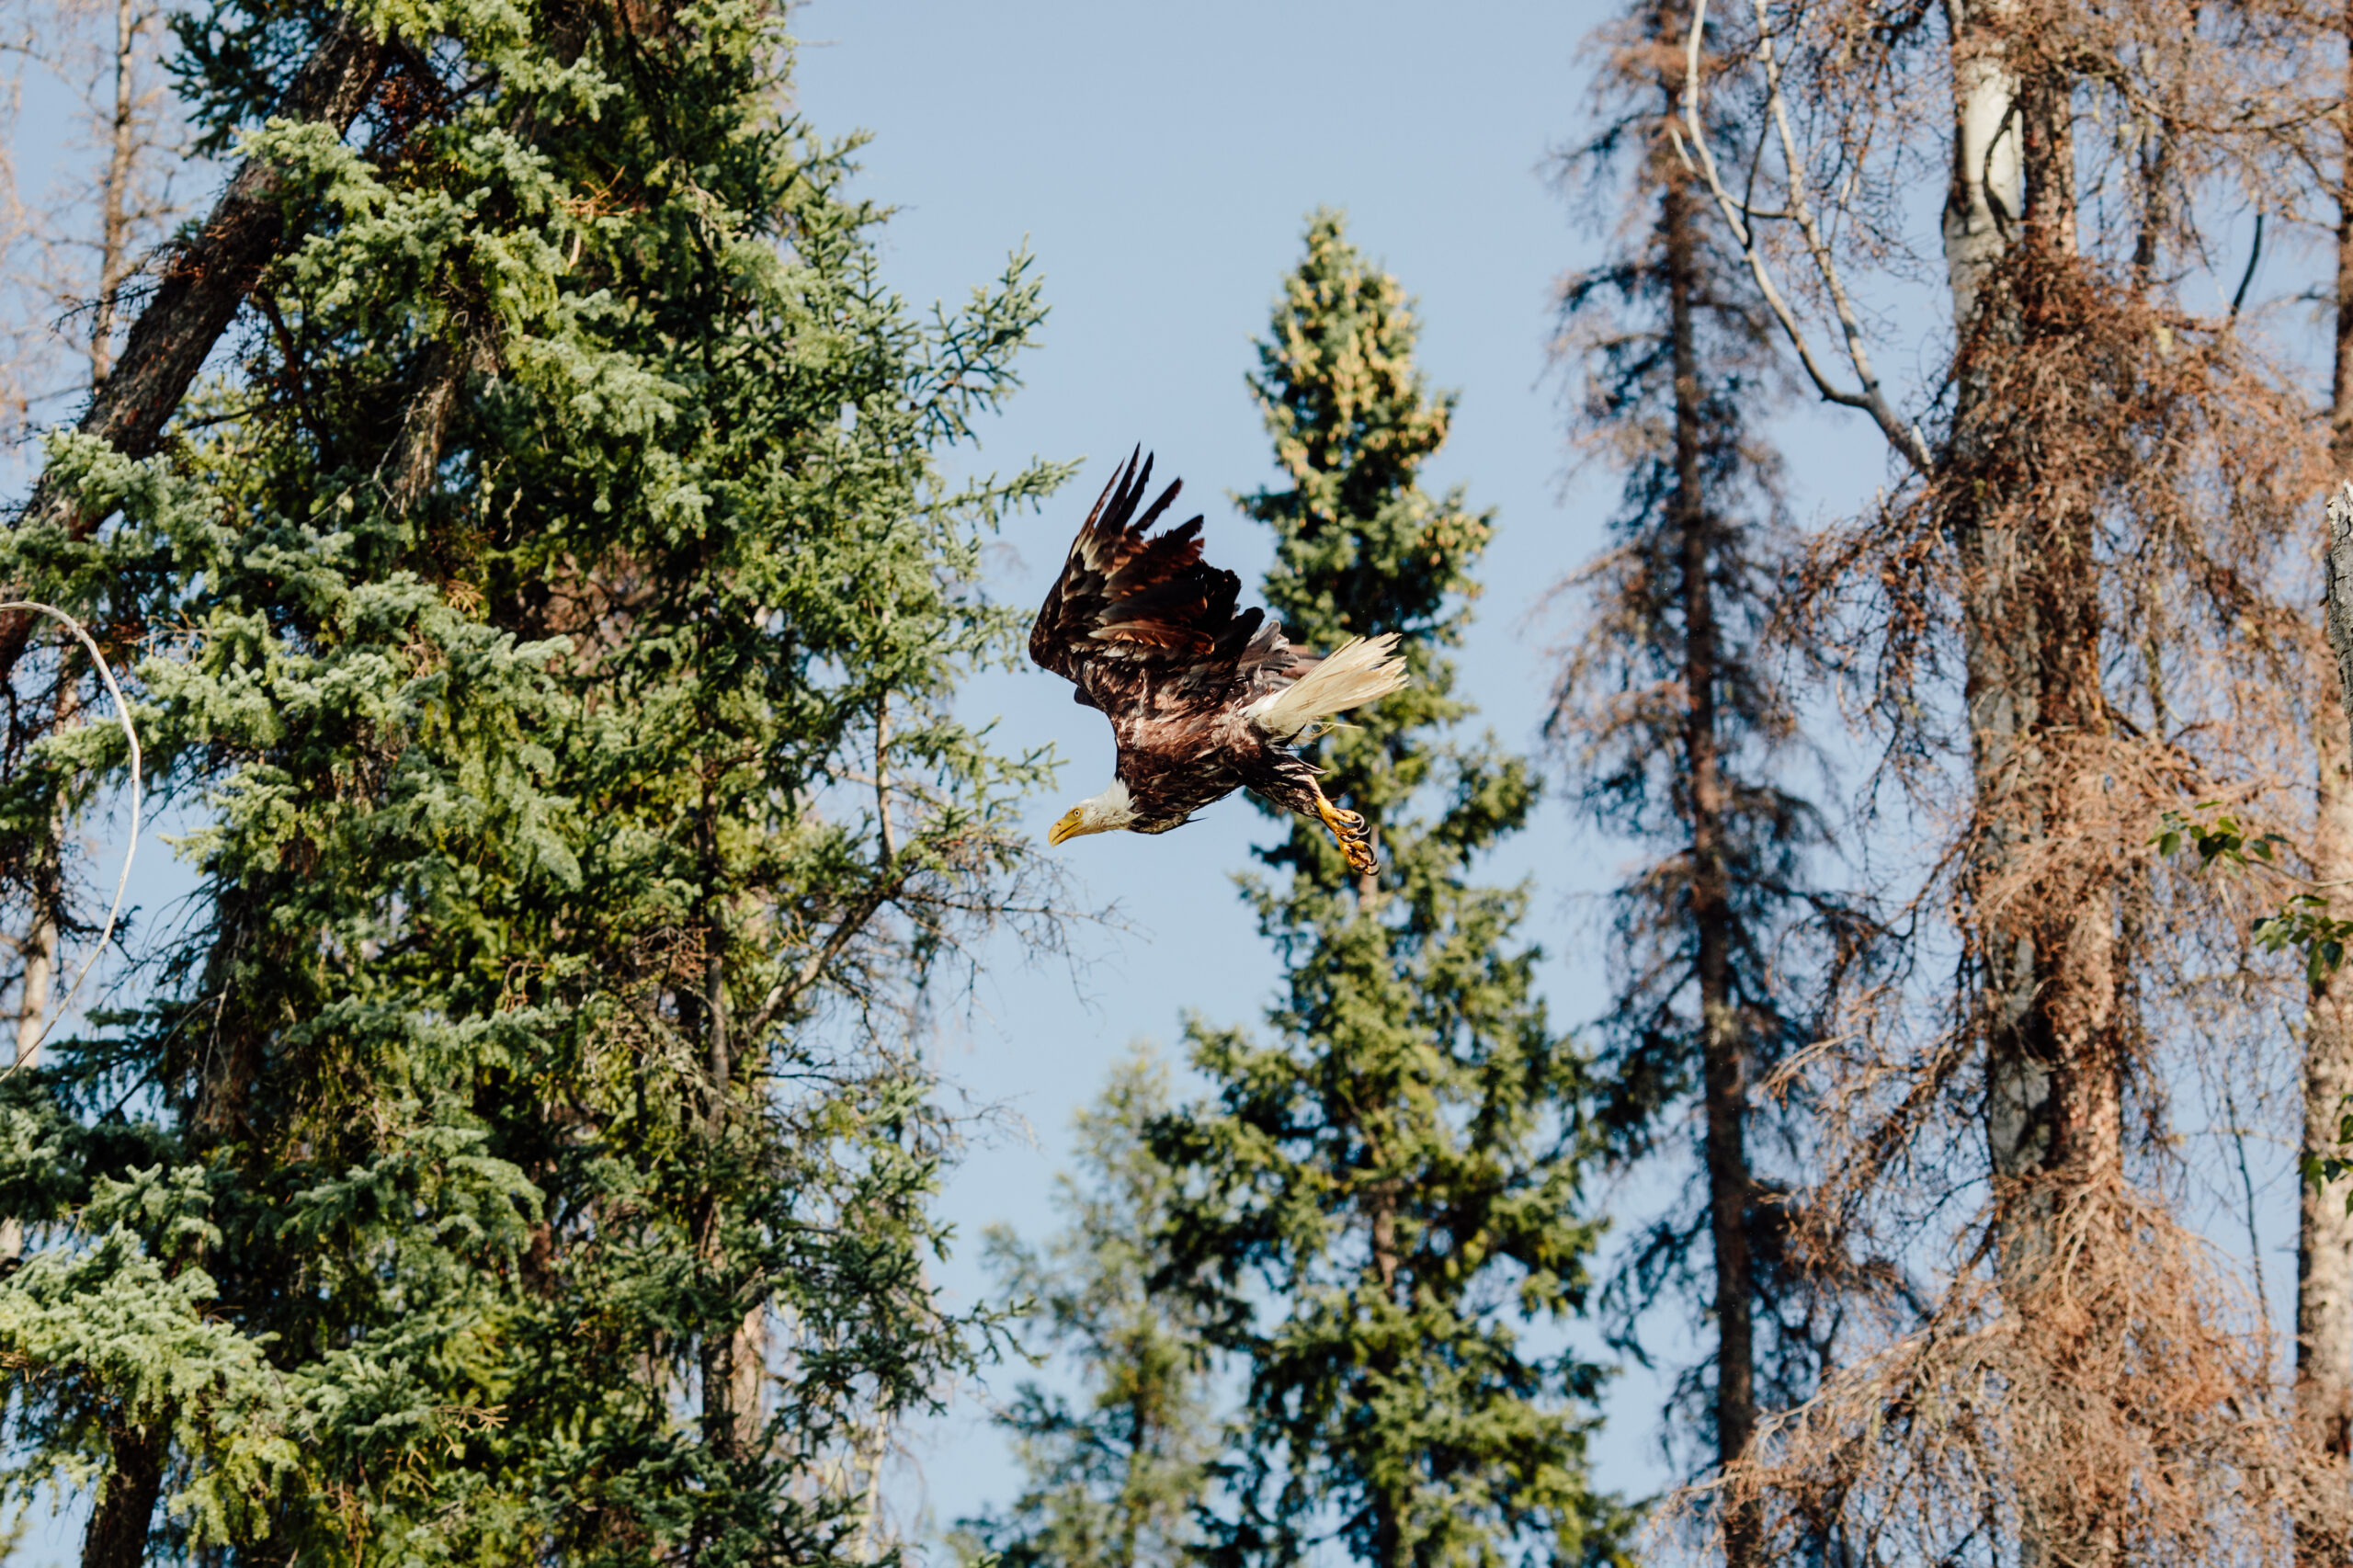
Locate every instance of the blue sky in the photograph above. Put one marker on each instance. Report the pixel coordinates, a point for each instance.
(1161, 161)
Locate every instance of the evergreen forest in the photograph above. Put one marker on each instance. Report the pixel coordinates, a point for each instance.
(549, 1028)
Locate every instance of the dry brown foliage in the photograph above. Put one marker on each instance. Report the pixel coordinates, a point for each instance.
(2112, 1403)
(2090, 607)
(2085, 1382)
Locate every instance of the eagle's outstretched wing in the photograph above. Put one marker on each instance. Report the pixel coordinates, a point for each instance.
(1131, 605)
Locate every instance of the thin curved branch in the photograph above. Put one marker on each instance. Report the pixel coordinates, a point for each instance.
(2253, 256)
(123, 881)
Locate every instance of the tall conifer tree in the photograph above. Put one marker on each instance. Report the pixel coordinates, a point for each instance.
(1670, 719)
(1379, 1201)
(1114, 1480)
(552, 610)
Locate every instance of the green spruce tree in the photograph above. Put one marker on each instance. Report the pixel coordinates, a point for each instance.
(1116, 1479)
(1378, 1206)
(551, 609)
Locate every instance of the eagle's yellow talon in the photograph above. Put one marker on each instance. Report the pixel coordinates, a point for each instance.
(1350, 834)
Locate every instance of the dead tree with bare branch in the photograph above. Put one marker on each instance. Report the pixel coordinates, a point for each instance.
(1669, 716)
(2062, 623)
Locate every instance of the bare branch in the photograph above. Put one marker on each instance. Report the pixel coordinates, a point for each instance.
(1903, 437)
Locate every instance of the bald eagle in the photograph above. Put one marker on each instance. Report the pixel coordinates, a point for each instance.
(1202, 701)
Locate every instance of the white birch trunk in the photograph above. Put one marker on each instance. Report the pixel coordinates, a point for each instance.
(2324, 1231)
(32, 1011)
(1989, 171)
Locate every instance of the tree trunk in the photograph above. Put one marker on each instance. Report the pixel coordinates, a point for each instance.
(40, 950)
(2340, 419)
(721, 1419)
(1982, 210)
(2325, 1232)
(1391, 1497)
(415, 456)
(2324, 1229)
(734, 1363)
(734, 1382)
(114, 189)
(117, 1533)
(2031, 627)
(747, 1371)
(2042, 921)
(1724, 1056)
(46, 892)
(873, 1449)
(1988, 175)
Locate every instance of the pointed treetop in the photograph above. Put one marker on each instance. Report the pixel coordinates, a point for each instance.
(1361, 548)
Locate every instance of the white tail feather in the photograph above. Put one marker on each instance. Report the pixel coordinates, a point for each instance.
(1349, 677)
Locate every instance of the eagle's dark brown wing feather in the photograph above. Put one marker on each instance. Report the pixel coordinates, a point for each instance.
(1132, 609)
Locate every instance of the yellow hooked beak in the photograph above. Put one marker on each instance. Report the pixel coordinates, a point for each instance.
(1068, 827)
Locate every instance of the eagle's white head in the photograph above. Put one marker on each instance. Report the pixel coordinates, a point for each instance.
(1106, 812)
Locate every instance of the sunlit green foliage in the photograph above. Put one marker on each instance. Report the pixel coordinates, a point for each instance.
(1378, 1206)
(551, 611)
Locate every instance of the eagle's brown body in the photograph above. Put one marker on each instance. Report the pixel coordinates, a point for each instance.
(1174, 762)
(1150, 635)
